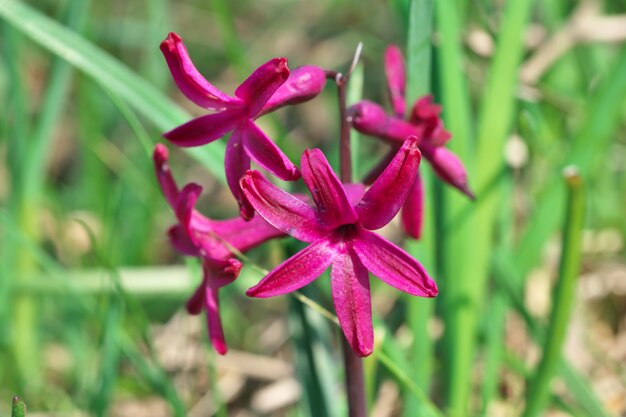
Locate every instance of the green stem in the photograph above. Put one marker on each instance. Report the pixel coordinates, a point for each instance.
(563, 296)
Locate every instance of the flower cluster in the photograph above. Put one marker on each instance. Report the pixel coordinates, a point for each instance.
(338, 226)
(423, 122)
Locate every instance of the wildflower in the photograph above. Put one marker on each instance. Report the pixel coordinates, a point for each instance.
(339, 232)
(423, 122)
(269, 87)
(211, 241)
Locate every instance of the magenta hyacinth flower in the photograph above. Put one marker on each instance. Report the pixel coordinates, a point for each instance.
(338, 229)
(211, 241)
(423, 122)
(269, 87)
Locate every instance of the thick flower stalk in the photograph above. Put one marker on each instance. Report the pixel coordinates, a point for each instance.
(424, 123)
(269, 87)
(211, 241)
(339, 230)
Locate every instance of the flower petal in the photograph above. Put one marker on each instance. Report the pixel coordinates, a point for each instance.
(214, 323)
(303, 84)
(257, 89)
(333, 207)
(413, 210)
(205, 129)
(387, 194)
(245, 235)
(350, 286)
(282, 210)
(369, 118)
(164, 174)
(355, 192)
(448, 167)
(184, 208)
(179, 238)
(265, 153)
(297, 271)
(396, 79)
(190, 82)
(236, 164)
(195, 303)
(393, 265)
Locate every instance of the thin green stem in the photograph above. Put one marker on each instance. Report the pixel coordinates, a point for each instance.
(563, 296)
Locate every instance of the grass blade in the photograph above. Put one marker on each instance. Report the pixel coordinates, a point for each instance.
(563, 296)
(109, 73)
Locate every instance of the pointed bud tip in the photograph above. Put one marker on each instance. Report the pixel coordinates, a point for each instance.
(160, 154)
(192, 188)
(169, 43)
(220, 348)
(467, 191)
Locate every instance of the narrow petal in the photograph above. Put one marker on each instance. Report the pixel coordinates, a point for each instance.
(303, 84)
(184, 207)
(265, 153)
(369, 118)
(195, 303)
(425, 114)
(257, 89)
(282, 210)
(332, 203)
(214, 322)
(413, 210)
(205, 129)
(396, 79)
(190, 82)
(164, 174)
(350, 286)
(393, 265)
(179, 238)
(245, 235)
(448, 167)
(236, 164)
(387, 194)
(297, 271)
(355, 192)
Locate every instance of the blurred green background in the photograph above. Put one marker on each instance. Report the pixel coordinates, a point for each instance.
(91, 294)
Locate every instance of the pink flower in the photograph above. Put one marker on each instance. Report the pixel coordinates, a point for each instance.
(211, 241)
(269, 87)
(339, 232)
(423, 122)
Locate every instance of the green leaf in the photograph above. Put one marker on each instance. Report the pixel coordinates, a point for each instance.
(110, 73)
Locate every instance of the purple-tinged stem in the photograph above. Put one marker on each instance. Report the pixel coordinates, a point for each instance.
(355, 381)
(345, 153)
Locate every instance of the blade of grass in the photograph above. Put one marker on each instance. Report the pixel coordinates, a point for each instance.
(466, 291)
(504, 273)
(457, 242)
(591, 141)
(421, 311)
(110, 73)
(23, 319)
(563, 296)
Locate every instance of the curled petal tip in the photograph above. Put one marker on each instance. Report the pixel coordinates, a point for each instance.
(160, 155)
(192, 189)
(364, 351)
(170, 41)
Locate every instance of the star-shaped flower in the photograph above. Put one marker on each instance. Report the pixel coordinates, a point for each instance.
(211, 241)
(338, 229)
(423, 122)
(269, 87)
